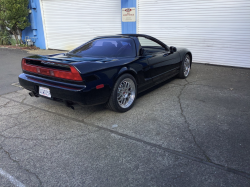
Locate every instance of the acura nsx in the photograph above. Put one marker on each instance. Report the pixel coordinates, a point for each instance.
(109, 70)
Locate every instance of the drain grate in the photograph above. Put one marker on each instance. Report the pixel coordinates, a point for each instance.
(17, 85)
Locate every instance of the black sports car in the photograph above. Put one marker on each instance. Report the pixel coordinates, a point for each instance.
(107, 69)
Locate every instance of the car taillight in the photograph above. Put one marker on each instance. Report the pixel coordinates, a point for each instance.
(73, 74)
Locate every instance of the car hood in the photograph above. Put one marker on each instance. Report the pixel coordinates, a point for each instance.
(85, 64)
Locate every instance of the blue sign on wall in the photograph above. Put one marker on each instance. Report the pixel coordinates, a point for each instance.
(128, 27)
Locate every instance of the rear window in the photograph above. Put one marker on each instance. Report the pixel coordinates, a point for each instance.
(107, 47)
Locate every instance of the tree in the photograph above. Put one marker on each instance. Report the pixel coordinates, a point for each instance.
(14, 16)
(4, 36)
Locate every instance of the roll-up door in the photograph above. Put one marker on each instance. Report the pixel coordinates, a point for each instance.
(69, 24)
(216, 31)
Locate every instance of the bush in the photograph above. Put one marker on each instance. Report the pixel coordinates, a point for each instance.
(5, 37)
(14, 16)
(13, 41)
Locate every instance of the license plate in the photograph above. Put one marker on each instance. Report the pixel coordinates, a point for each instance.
(44, 91)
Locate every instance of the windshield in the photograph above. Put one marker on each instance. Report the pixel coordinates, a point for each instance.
(107, 47)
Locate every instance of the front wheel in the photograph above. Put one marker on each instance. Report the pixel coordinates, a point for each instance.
(124, 94)
(185, 67)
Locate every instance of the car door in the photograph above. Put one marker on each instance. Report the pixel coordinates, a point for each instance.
(162, 63)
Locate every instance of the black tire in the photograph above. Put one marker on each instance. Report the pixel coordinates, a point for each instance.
(113, 104)
(182, 74)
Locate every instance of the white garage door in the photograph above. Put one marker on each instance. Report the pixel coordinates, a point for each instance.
(216, 31)
(69, 24)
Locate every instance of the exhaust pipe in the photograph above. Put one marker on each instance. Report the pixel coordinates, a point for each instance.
(69, 104)
(33, 94)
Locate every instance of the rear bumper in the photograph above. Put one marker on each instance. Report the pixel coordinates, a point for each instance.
(83, 94)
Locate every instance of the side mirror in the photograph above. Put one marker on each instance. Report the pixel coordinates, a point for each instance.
(141, 51)
(172, 49)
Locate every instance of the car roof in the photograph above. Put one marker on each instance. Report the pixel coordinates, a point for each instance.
(125, 36)
(113, 36)
(135, 35)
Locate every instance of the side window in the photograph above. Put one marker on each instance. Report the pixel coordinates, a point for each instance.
(146, 42)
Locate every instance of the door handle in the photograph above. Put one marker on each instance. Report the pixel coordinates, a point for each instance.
(166, 54)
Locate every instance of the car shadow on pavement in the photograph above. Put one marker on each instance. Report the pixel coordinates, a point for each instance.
(154, 88)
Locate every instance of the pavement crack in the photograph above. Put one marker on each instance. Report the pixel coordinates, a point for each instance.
(172, 151)
(139, 140)
(49, 139)
(209, 86)
(188, 124)
(5, 104)
(20, 166)
(25, 97)
(19, 113)
(14, 126)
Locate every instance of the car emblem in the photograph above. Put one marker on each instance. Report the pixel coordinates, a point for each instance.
(50, 63)
(128, 10)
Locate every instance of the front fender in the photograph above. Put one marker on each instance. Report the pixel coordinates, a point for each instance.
(183, 52)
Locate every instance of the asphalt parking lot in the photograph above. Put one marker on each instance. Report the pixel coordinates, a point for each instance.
(192, 132)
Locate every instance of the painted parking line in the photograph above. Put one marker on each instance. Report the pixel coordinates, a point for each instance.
(16, 84)
(13, 180)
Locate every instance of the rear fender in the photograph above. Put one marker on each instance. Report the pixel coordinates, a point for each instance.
(127, 70)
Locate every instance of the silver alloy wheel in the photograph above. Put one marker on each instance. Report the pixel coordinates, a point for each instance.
(126, 93)
(186, 66)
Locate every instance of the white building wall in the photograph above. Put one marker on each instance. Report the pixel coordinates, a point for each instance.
(69, 24)
(216, 31)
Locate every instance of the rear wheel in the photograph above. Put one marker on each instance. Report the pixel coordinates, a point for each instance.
(124, 94)
(185, 67)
